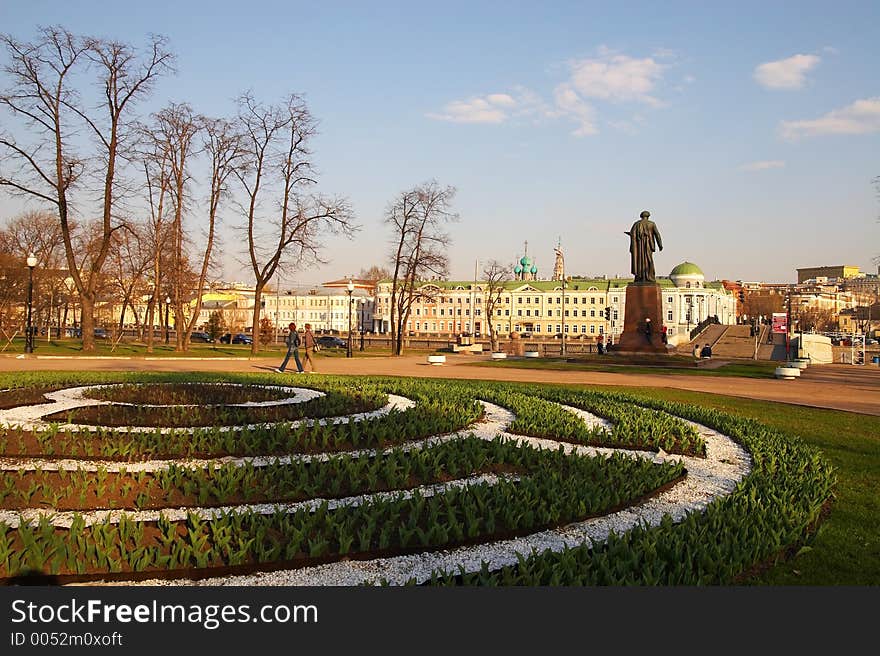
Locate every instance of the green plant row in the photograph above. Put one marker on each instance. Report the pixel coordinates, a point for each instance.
(557, 489)
(396, 427)
(338, 476)
(539, 415)
(773, 509)
(186, 393)
(633, 425)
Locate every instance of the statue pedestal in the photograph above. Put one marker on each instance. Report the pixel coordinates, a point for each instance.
(643, 301)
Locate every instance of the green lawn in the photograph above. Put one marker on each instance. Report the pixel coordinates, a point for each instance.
(846, 548)
(684, 366)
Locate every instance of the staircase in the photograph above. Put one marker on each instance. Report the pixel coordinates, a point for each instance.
(736, 342)
(710, 336)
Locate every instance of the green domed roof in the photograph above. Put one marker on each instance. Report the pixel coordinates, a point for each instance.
(526, 261)
(534, 269)
(517, 269)
(687, 269)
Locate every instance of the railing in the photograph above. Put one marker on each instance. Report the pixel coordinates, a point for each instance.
(705, 323)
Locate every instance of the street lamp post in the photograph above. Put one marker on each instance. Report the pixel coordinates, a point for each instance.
(788, 327)
(29, 336)
(564, 310)
(167, 305)
(349, 288)
(362, 302)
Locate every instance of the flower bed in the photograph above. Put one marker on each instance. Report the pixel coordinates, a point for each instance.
(552, 485)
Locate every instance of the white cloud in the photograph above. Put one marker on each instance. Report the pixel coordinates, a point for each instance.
(473, 110)
(617, 78)
(763, 165)
(610, 77)
(491, 108)
(572, 105)
(861, 117)
(787, 73)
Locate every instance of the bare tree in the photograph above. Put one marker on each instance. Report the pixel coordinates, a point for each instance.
(282, 220)
(42, 97)
(154, 158)
(176, 131)
(129, 261)
(374, 273)
(419, 248)
(495, 274)
(223, 144)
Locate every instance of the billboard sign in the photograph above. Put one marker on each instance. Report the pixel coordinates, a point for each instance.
(780, 322)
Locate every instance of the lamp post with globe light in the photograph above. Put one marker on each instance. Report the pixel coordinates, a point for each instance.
(362, 304)
(29, 335)
(349, 288)
(167, 305)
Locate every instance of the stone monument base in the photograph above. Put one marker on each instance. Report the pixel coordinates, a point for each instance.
(643, 302)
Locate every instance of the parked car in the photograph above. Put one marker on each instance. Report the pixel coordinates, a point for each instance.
(330, 341)
(237, 338)
(101, 333)
(200, 337)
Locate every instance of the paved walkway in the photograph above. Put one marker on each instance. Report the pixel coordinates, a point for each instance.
(841, 387)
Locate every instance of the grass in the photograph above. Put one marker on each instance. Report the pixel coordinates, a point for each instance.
(682, 366)
(846, 548)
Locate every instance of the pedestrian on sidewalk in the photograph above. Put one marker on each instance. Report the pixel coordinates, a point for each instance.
(292, 340)
(696, 351)
(706, 352)
(309, 344)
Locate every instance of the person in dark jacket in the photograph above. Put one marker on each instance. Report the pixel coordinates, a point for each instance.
(706, 353)
(292, 341)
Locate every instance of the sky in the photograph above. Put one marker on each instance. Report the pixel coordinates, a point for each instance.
(749, 130)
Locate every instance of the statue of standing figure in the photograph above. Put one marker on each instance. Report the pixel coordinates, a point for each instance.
(643, 237)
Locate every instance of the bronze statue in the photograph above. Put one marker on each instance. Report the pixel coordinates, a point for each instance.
(643, 236)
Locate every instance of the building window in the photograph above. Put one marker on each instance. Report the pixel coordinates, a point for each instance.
(575, 300)
(615, 314)
(592, 328)
(669, 299)
(528, 313)
(592, 300)
(669, 315)
(566, 313)
(507, 313)
(614, 299)
(592, 313)
(538, 328)
(519, 313)
(498, 312)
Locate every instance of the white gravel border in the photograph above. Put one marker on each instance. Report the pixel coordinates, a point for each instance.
(725, 465)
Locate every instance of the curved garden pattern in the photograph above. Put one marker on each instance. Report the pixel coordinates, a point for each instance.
(389, 481)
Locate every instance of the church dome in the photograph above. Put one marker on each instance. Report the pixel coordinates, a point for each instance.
(687, 274)
(534, 269)
(517, 269)
(526, 262)
(687, 269)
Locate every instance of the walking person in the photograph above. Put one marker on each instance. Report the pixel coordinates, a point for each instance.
(292, 340)
(309, 345)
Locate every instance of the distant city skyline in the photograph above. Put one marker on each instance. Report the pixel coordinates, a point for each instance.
(748, 130)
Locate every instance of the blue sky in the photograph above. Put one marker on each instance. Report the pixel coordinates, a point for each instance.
(750, 131)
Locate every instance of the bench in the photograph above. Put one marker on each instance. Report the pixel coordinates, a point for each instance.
(437, 359)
